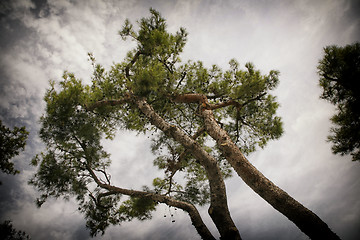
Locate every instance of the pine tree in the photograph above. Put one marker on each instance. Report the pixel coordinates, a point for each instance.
(184, 105)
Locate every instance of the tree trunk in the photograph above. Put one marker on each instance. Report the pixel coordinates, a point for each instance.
(306, 220)
(218, 210)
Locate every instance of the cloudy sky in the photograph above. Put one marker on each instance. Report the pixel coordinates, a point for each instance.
(42, 38)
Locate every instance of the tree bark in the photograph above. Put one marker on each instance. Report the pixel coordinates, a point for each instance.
(218, 209)
(306, 220)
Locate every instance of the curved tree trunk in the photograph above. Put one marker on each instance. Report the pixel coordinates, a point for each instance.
(218, 210)
(306, 220)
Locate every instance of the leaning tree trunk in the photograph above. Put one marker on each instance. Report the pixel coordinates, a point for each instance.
(218, 209)
(306, 220)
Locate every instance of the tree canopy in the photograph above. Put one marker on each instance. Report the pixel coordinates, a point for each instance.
(8, 232)
(11, 142)
(186, 107)
(339, 71)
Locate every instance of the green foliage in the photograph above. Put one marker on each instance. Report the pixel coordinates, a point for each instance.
(103, 211)
(255, 122)
(11, 143)
(339, 72)
(157, 78)
(100, 213)
(59, 175)
(137, 207)
(153, 72)
(79, 115)
(8, 232)
(195, 193)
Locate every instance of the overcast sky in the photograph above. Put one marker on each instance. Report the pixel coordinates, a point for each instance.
(40, 39)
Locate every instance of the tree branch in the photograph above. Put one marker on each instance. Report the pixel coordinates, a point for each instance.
(190, 98)
(330, 78)
(189, 208)
(165, 65)
(224, 104)
(182, 78)
(105, 174)
(253, 99)
(106, 103)
(131, 63)
(203, 100)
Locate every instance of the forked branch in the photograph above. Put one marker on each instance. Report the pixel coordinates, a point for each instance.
(111, 190)
(187, 207)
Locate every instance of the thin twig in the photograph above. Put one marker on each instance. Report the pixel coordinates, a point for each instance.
(131, 63)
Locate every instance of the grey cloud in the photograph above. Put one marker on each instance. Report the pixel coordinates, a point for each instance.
(43, 38)
(41, 9)
(352, 14)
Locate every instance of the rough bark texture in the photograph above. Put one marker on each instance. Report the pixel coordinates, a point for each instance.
(306, 220)
(218, 210)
